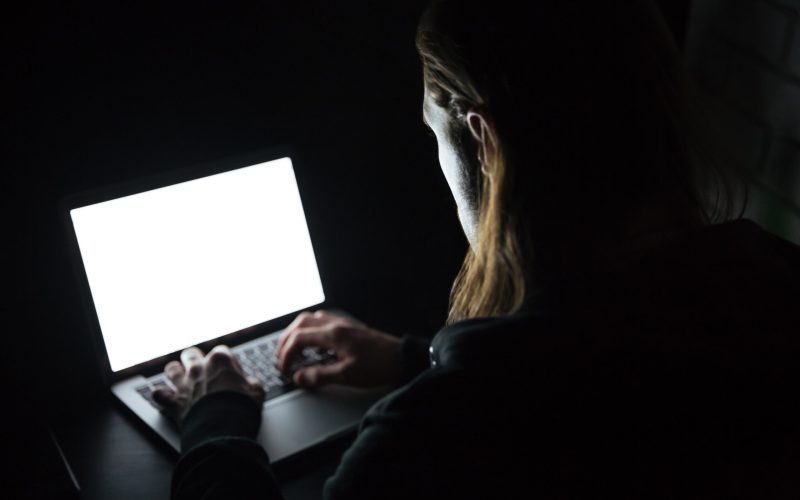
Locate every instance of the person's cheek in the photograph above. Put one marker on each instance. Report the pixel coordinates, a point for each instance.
(447, 160)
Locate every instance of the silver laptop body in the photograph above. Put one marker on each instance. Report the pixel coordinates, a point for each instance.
(219, 253)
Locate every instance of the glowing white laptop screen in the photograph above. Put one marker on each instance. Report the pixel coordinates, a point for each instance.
(187, 263)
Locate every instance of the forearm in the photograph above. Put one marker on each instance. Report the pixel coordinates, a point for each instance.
(220, 457)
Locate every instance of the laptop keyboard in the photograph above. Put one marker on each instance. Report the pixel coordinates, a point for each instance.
(257, 360)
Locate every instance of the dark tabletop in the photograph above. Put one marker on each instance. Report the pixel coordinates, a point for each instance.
(112, 456)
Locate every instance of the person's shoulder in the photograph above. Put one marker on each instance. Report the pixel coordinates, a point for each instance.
(735, 270)
(740, 241)
(499, 343)
(422, 395)
(466, 354)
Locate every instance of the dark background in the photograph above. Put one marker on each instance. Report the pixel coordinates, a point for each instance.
(110, 92)
(105, 92)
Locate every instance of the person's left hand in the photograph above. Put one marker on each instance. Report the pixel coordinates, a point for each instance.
(197, 375)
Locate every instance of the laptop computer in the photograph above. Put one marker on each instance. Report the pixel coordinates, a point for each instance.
(219, 253)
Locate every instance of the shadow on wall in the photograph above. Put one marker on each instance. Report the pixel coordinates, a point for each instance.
(745, 57)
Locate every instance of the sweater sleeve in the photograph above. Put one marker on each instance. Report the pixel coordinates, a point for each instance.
(220, 458)
(396, 453)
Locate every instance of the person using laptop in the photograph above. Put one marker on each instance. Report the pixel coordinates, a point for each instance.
(616, 330)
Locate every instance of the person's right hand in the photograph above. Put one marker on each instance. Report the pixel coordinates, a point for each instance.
(365, 357)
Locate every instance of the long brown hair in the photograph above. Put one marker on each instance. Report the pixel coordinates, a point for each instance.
(594, 118)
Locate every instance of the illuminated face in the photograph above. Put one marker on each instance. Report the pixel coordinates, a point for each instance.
(458, 160)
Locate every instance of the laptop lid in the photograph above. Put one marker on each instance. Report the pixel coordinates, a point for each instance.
(192, 259)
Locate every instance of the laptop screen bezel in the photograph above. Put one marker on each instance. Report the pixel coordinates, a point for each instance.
(147, 183)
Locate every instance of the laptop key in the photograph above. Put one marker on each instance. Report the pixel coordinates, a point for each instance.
(158, 384)
(147, 393)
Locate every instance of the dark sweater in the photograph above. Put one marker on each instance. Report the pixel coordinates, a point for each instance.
(674, 375)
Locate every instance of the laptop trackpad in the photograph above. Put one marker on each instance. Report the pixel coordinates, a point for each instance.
(304, 418)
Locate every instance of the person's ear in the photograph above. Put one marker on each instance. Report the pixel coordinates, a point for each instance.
(482, 129)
